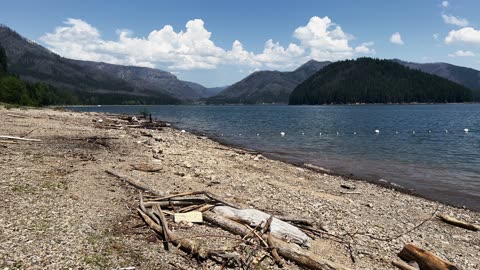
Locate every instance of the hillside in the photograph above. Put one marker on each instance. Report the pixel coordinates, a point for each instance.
(125, 84)
(467, 77)
(266, 86)
(368, 80)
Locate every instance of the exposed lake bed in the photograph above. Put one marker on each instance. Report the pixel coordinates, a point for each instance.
(66, 175)
(423, 149)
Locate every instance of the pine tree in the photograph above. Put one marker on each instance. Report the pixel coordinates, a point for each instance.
(3, 60)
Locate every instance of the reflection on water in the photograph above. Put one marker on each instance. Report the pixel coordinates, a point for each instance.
(420, 147)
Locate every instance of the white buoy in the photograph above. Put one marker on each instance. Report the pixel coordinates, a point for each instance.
(282, 133)
(466, 130)
(446, 130)
(221, 134)
(396, 132)
(258, 134)
(354, 133)
(337, 133)
(303, 134)
(320, 134)
(429, 131)
(183, 131)
(413, 132)
(240, 134)
(377, 131)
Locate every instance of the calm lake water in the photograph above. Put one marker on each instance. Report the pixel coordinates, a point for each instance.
(423, 148)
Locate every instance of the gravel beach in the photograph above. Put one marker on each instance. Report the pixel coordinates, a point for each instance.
(60, 210)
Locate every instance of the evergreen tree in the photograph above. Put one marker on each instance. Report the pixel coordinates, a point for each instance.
(3, 60)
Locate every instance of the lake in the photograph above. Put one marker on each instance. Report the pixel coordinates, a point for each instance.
(422, 148)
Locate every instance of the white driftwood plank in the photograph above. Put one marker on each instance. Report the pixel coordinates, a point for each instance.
(254, 217)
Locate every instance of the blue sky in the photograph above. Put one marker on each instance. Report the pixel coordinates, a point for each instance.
(219, 42)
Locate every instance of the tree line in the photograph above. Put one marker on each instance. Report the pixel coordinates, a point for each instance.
(368, 80)
(13, 90)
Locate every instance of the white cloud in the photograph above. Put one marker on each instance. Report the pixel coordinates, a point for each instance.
(461, 53)
(364, 48)
(467, 35)
(326, 40)
(436, 36)
(193, 48)
(445, 4)
(450, 19)
(396, 38)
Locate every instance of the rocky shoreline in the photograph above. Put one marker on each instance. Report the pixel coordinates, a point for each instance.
(61, 210)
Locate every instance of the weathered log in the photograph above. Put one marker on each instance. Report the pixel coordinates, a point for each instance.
(157, 210)
(455, 222)
(135, 183)
(403, 265)
(147, 167)
(178, 203)
(186, 245)
(254, 217)
(8, 142)
(16, 115)
(296, 220)
(288, 251)
(18, 138)
(425, 259)
(205, 193)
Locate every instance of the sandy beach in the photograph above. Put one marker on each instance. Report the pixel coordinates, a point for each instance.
(60, 210)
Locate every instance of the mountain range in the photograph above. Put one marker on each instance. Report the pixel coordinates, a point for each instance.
(267, 86)
(35, 63)
(32, 62)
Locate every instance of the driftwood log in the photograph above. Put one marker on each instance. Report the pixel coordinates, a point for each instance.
(135, 183)
(455, 222)
(403, 265)
(254, 218)
(147, 167)
(3, 137)
(425, 259)
(288, 251)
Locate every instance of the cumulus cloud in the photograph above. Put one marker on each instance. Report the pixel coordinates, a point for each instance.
(450, 19)
(461, 53)
(396, 38)
(466, 35)
(445, 4)
(365, 49)
(193, 47)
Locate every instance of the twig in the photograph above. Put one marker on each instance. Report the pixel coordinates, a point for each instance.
(388, 239)
(19, 138)
(257, 235)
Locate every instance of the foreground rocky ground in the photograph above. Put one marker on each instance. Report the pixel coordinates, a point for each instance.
(60, 210)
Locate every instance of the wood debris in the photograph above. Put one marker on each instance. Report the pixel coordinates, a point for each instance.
(455, 222)
(263, 235)
(425, 259)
